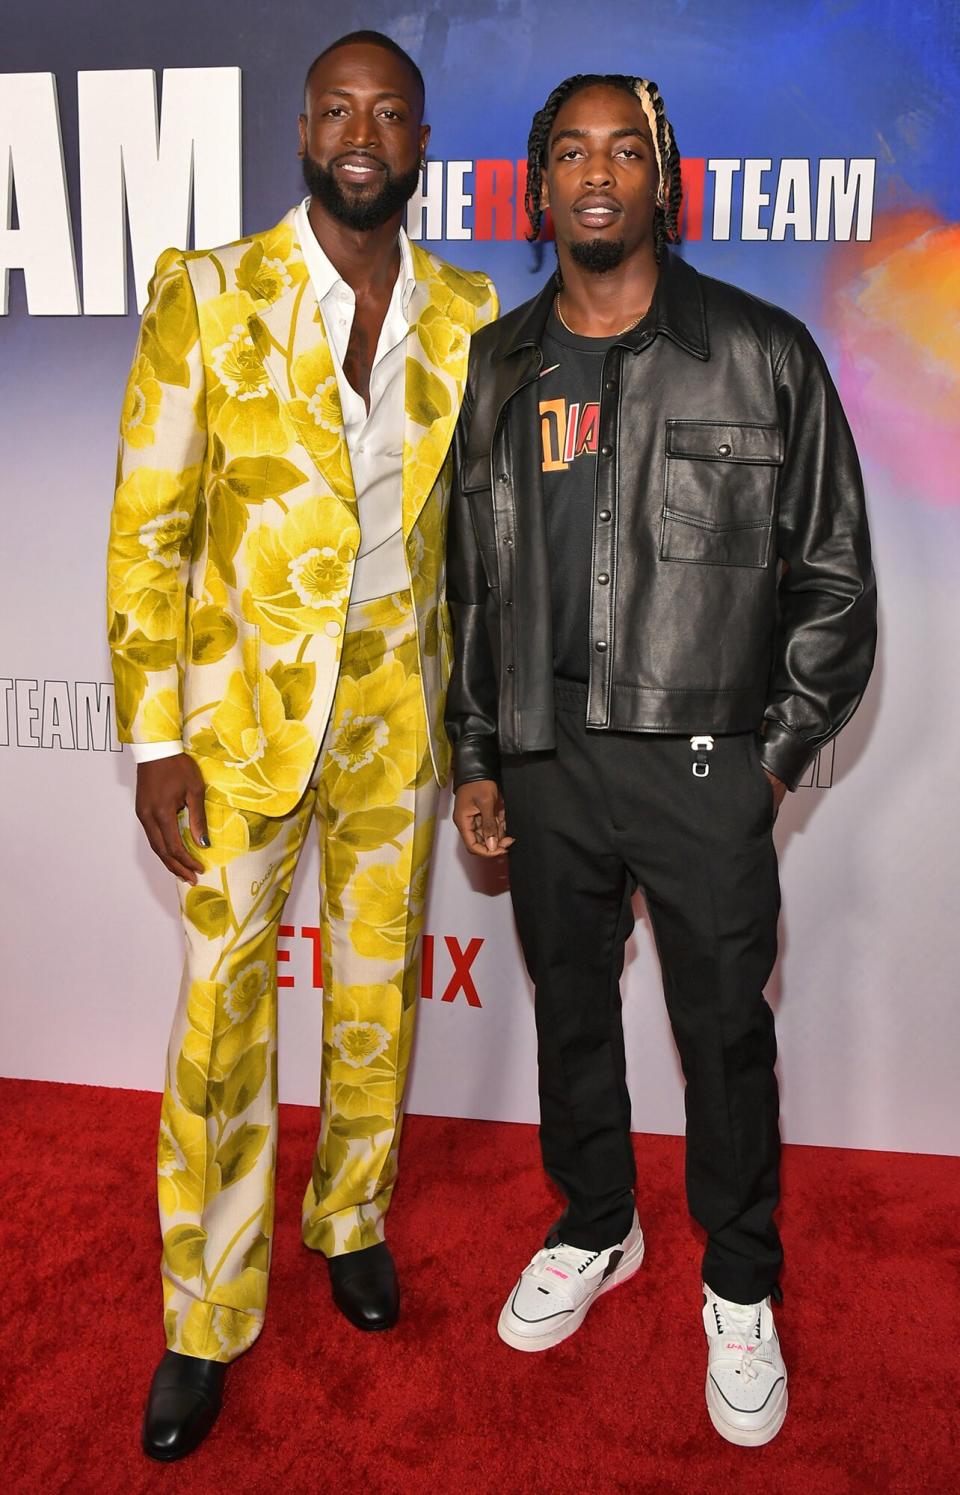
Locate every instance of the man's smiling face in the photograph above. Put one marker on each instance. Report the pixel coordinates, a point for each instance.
(601, 176)
(361, 138)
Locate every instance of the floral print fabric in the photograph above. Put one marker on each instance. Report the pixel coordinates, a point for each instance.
(235, 529)
(372, 796)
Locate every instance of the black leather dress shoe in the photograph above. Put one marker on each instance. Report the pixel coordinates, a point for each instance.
(185, 1398)
(365, 1287)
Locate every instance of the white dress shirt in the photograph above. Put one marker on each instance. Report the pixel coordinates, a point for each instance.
(374, 439)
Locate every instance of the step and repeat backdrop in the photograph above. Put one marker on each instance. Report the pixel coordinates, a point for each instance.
(820, 147)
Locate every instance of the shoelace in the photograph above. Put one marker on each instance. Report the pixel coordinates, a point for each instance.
(567, 1256)
(744, 1321)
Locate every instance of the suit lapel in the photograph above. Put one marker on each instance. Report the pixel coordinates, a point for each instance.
(438, 348)
(291, 339)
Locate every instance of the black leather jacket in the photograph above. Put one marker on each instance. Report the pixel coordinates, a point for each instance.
(732, 587)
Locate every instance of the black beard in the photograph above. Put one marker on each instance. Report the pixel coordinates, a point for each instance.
(360, 213)
(598, 255)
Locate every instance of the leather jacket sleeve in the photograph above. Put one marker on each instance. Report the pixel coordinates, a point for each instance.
(472, 697)
(826, 633)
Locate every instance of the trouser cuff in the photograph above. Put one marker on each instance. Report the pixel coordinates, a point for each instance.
(741, 1284)
(351, 1229)
(597, 1236)
(210, 1331)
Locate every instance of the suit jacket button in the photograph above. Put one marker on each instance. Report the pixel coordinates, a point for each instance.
(605, 515)
(603, 578)
(601, 646)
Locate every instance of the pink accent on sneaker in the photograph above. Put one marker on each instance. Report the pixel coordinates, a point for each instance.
(750, 1348)
(558, 1274)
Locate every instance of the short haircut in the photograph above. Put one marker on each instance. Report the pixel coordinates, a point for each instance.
(370, 39)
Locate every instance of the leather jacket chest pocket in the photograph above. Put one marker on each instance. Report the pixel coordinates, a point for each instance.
(719, 491)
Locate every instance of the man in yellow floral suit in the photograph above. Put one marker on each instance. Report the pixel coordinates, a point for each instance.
(281, 648)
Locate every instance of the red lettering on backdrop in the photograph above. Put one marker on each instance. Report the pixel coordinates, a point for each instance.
(462, 959)
(286, 932)
(523, 222)
(312, 933)
(461, 980)
(501, 214)
(494, 199)
(694, 172)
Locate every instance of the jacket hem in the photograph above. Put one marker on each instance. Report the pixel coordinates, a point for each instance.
(640, 709)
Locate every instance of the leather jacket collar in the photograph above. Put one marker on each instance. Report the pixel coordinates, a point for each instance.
(677, 305)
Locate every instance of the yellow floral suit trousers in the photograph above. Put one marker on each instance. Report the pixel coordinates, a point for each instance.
(373, 798)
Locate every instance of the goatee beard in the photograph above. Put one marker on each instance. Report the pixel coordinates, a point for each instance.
(598, 255)
(360, 213)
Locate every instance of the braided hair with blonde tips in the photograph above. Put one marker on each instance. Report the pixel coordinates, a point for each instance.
(669, 196)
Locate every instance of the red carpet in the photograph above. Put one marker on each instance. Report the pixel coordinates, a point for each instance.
(870, 1328)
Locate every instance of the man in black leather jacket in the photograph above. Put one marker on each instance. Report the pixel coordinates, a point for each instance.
(663, 604)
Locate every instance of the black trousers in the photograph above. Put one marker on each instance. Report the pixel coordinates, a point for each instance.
(601, 815)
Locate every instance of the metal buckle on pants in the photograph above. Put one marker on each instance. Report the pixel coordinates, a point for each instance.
(701, 746)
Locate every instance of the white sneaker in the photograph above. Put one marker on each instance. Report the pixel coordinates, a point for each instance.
(555, 1292)
(746, 1376)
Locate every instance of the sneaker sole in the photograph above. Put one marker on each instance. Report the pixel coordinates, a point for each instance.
(749, 1437)
(631, 1263)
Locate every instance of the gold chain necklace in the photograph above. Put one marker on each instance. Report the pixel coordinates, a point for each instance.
(566, 324)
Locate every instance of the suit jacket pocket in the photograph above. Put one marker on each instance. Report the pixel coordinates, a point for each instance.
(719, 491)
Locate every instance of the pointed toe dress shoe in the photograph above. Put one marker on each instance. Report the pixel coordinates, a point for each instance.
(185, 1398)
(365, 1287)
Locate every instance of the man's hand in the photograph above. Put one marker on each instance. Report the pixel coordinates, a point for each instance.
(480, 818)
(165, 786)
(779, 791)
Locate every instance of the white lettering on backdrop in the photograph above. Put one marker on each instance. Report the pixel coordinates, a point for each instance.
(844, 198)
(31, 164)
(138, 164)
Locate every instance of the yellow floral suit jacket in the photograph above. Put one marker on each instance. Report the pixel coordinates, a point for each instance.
(235, 526)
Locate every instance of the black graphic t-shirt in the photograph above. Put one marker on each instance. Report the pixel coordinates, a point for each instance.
(569, 399)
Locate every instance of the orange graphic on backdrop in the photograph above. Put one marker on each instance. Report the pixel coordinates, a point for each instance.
(894, 304)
